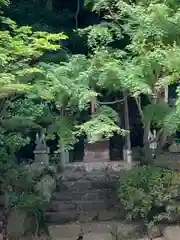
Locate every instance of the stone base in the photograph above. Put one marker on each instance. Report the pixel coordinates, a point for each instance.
(97, 152)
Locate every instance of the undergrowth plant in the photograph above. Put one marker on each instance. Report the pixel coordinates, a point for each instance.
(151, 194)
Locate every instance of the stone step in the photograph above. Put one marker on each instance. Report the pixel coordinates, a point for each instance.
(72, 231)
(99, 194)
(171, 233)
(85, 206)
(95, 175)
(97, 166)
(62, 217)
(85, 184)
(81, 216)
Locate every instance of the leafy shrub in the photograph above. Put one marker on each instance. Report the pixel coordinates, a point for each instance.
(151, 193)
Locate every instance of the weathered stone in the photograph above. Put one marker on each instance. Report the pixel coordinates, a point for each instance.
(35, 169)
(88, 195)
(145, 238)
(171, 233)
(159, 238)
(46, 185)
(64, 231)
(17, 223)
(63, 206)
(107, 215)
(97, 166)
(88, 206)
(107, 227)
(85, 206)
(62, 217)
(100, 184)
(1, 236)
(87, 216)
(154, 232)
(174, 148)
(98, 236)
(74, 238)
(79, 185)
(127, 228)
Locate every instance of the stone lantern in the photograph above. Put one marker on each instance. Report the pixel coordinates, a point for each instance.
(41, 151)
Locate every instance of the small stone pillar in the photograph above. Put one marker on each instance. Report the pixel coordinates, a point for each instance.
(41, 152)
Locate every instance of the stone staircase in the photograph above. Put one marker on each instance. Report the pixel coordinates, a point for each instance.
(86, 192)
(85, 206)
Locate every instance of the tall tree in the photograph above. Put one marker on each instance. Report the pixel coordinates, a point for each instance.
(152, 59)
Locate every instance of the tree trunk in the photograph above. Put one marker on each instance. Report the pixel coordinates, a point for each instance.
(64, 154)
(165, 133)
(127, 150)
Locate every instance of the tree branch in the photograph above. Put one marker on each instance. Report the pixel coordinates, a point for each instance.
(111, 103)
(139, 107)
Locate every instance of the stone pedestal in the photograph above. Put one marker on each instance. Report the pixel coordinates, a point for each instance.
(97, 152)
(42, 156)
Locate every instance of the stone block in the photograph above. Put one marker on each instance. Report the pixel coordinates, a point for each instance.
(87, 216)
(107, 215)
(17, 224)
(35, 169)
(97, 236)
(174, 148)
(62, 206)
(145, 238)
(154, 232)
(46, 186)
(88, 206)
(92, 195)
(62, 196)
(101, 184)
(159, 238)
(74, 238)
(79, 185)
(62, 217)
(85, 206)
(64, 231)
(99, 227)
(171, 233)
(127, 228)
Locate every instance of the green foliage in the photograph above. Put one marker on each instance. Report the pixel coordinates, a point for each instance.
(101, 35)
(156, 113)
(172, 121)
(21, 111)
(20, 50)
(22, 194)
(64, 127)
(102, 125)
(71, 85)
(151, 62)
(146, 189)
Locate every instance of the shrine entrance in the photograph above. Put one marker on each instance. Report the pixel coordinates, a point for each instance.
(100, 151)
(113, 149)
